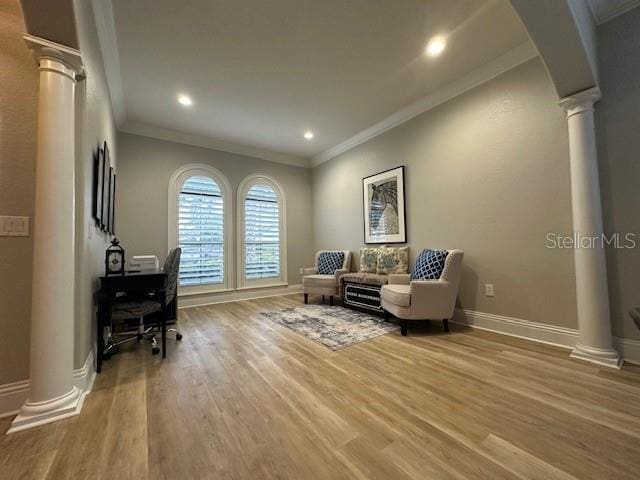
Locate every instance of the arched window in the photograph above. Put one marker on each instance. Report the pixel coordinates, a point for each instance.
(199, 212)
(262, 233)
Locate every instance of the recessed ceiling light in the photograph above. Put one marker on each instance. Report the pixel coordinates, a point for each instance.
(185, 100)
(436, 46)
(308, 135)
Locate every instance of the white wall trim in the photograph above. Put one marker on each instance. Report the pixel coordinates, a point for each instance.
(629, 349)
(14, 395)
(243, 189)
(517, 327)
(237, 295)
(476, 77)
(538, 332)
(108, 40)
(84, 377)
(151, 131)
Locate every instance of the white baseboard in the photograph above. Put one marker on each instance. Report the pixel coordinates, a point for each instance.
(188, 301)
(14, 395)
(539, 332)
(629, 349)
(84, 377)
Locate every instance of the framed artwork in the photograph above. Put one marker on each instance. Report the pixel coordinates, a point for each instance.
(98, 177)
(104, 217)
(384, 212)
(112, 201)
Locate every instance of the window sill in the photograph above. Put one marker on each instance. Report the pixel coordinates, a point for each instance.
(258, 287)
(204, 292)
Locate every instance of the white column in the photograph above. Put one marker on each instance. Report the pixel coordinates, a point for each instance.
(52, 394)
(595, 342)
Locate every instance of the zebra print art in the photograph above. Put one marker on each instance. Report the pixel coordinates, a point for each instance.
(384, 207)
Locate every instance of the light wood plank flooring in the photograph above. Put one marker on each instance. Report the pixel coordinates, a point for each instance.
(243, 398)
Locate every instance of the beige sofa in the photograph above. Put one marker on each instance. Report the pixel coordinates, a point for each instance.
(408, 299)
(316, 284)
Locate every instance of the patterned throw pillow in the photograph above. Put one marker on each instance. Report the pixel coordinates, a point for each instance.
(429, 265)
(368, 260)
(329, 262)
(393, 260)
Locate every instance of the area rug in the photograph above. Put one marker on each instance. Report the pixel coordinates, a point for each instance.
(335, 327)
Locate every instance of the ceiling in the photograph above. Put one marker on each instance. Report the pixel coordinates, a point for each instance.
(262, 72)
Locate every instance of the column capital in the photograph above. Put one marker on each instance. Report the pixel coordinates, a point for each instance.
(581, 101)
(44, 50)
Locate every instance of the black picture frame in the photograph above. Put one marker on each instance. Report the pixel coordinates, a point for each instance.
(98, 177)
(104, 217)
(112, 201)
(395, 194)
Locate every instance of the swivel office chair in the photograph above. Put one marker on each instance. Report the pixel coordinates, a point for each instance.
(635, 316)
(127, 308)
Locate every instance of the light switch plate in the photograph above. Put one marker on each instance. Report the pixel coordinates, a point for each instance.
(488, 290)
(14, 226)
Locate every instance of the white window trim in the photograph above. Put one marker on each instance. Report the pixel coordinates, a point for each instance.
(175, 186)
(243, 189)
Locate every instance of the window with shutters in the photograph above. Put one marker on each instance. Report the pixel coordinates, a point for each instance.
(261, 229)
(198, 224)
(201, 232)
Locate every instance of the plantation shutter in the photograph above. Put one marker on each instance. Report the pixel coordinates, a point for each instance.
(201, 232)
(261, 233)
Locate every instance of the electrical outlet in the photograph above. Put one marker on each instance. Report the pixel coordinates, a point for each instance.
(488, 290)
(301, 271)
(14, 226)
(90, 227)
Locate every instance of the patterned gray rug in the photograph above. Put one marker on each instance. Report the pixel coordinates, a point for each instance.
(335, 327)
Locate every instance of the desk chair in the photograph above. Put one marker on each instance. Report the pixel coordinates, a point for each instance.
(128, 308)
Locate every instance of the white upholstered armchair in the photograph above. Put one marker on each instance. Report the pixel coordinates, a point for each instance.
(316, 283)
(408, 299)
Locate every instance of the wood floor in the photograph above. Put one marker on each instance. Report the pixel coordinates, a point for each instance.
(243, 398)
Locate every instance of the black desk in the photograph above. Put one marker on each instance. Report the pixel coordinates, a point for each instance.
(130, 282)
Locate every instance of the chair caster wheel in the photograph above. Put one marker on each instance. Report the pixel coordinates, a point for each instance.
(155, 350)
(178, 336)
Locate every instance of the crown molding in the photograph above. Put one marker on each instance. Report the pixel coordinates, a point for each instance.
(476, 77)
(611, 10)
(108, 40)
(146, 130)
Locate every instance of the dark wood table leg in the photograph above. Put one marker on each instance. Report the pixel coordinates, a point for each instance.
(100, 333)
(165, 313)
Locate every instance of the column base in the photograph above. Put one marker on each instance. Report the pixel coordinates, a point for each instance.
(605, 357)
(35, 414)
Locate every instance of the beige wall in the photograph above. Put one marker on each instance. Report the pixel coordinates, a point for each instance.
(487, 172)
(144, 168)
(18, 127)
(617, 121)
(94, 125)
